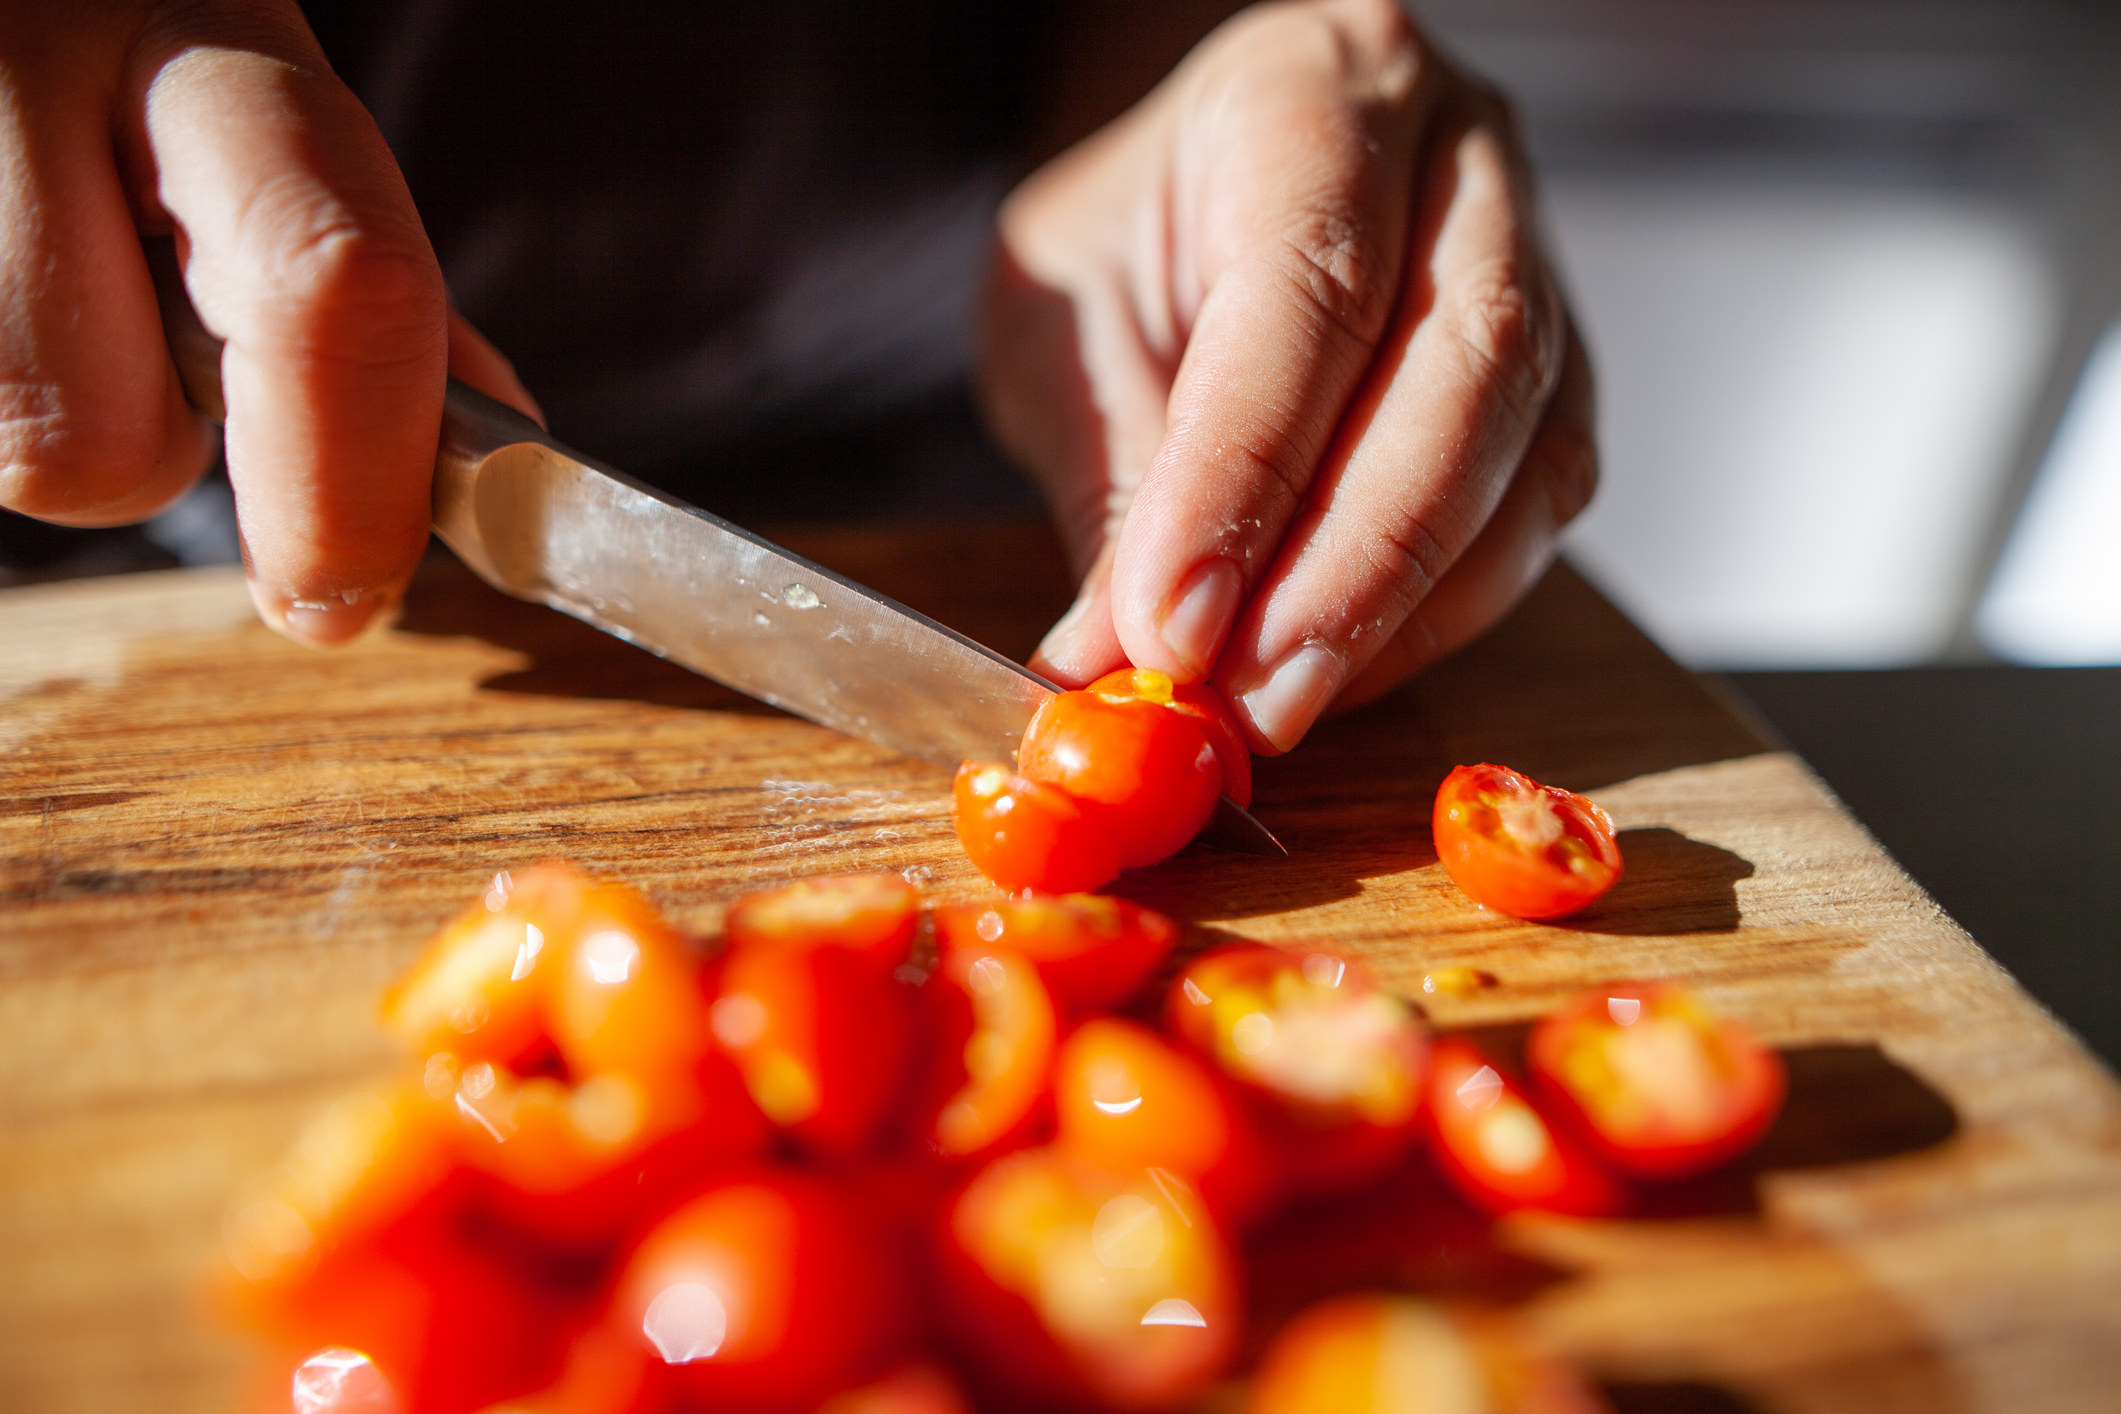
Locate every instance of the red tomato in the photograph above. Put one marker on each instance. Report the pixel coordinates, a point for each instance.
(874, 914)
(1126, 1100)
(764, 1293)
(999, 1075)
(1525, 849)
(1063, 1283)
(821, 1037)
(1204, 705)
(918, 1388)
(1387, 1351)
(1025, 835)
(1661, 1085)
(1144, 774)
(1334, 1063)
(1499, 1150)
(1090, 950)
(606, 1372)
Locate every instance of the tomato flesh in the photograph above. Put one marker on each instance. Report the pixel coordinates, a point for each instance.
(1090, 950)
(1064, 1280)
(766, 1292)
(1142, 773)
(1519, 847)
(874, 914)
(1025, 834)
(1498, 1149)
(999, 1075)
(1335, 1064)
(1662, 1086)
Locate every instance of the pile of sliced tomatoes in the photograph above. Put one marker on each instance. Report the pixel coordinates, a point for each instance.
(859, 1155)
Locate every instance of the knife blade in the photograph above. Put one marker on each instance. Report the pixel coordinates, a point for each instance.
(542, 522)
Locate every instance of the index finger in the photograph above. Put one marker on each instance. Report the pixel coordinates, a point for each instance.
(303, 252)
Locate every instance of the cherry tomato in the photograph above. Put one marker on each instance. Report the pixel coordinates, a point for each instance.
(921, 1387)
(1064, 1282)
(1662, 1086)
(1090, 950)
(1025, 835)
(1499, 1150)
(605, 1372)
(1525, 849)
(1334, 1063)
(821, 1037)
(874, 914)
(1204, 705)
(1374, 1350)
(1144, 774)
(998, 1076)
(764, 1293)
(1127, 1100)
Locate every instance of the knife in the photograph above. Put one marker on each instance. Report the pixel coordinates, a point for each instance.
(542, 522)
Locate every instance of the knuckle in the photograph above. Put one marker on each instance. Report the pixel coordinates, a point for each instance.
(1572, 470)
(1406, 559)
(55, 464)
(1512, 350)
(365, 286)
(1333, 268)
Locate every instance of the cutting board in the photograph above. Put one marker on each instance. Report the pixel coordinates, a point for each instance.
(216, 847)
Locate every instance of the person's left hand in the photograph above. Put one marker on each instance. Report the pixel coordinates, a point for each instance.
(1280, 345)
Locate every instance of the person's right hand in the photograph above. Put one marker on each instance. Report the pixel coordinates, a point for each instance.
(221, 124)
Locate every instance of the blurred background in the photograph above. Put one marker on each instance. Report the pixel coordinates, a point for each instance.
(1851, 273)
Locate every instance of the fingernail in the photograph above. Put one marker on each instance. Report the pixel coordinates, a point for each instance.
(318, 621)
(1283, 707)
(1200, 615)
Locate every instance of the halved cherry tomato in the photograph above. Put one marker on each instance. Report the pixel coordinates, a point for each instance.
(1064, 1282)
(1204, 705)
(1662, 1086)
(605, 1372)
(997, 1078)
(1334, 1063)
(1144, 774)
(874, 914)
(821, 1035)
(1090, 950)
(1374, 1350)
(1026, 835)
(1528, 850)
(1127, 1100)
(764, 1293)
(1498, 1149)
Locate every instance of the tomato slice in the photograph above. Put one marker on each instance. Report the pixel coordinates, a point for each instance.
(921, 1387)
(1335, 1063)
(1090, 950)
(1000, 1074)
(1202, 704)
(1127, 1100)
(1525, 849)
(766, 1292)
(1498, 1149)
(821, 1037)
(1376, 1350)
(1064, 1283)
(1662, 1085)
(604, 1373)
(1026, 835)
(1145, 775)
(874, 914)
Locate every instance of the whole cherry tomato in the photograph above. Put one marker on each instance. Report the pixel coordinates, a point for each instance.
(821, 1035)
(1090, 950)
(874, 914)
(1499, 1150)
(1662, 1086)
(1204, 705)
(1143, 773)
(1374, 1350)
(765, 1293)
(1525, 849)
(1023, 834)
(1334, 1064)
(1127, 1100)
(1064, 1284)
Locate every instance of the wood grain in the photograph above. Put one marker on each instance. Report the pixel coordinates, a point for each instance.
(215, 847)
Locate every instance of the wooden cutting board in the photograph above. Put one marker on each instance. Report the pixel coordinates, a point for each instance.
(216, 847)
